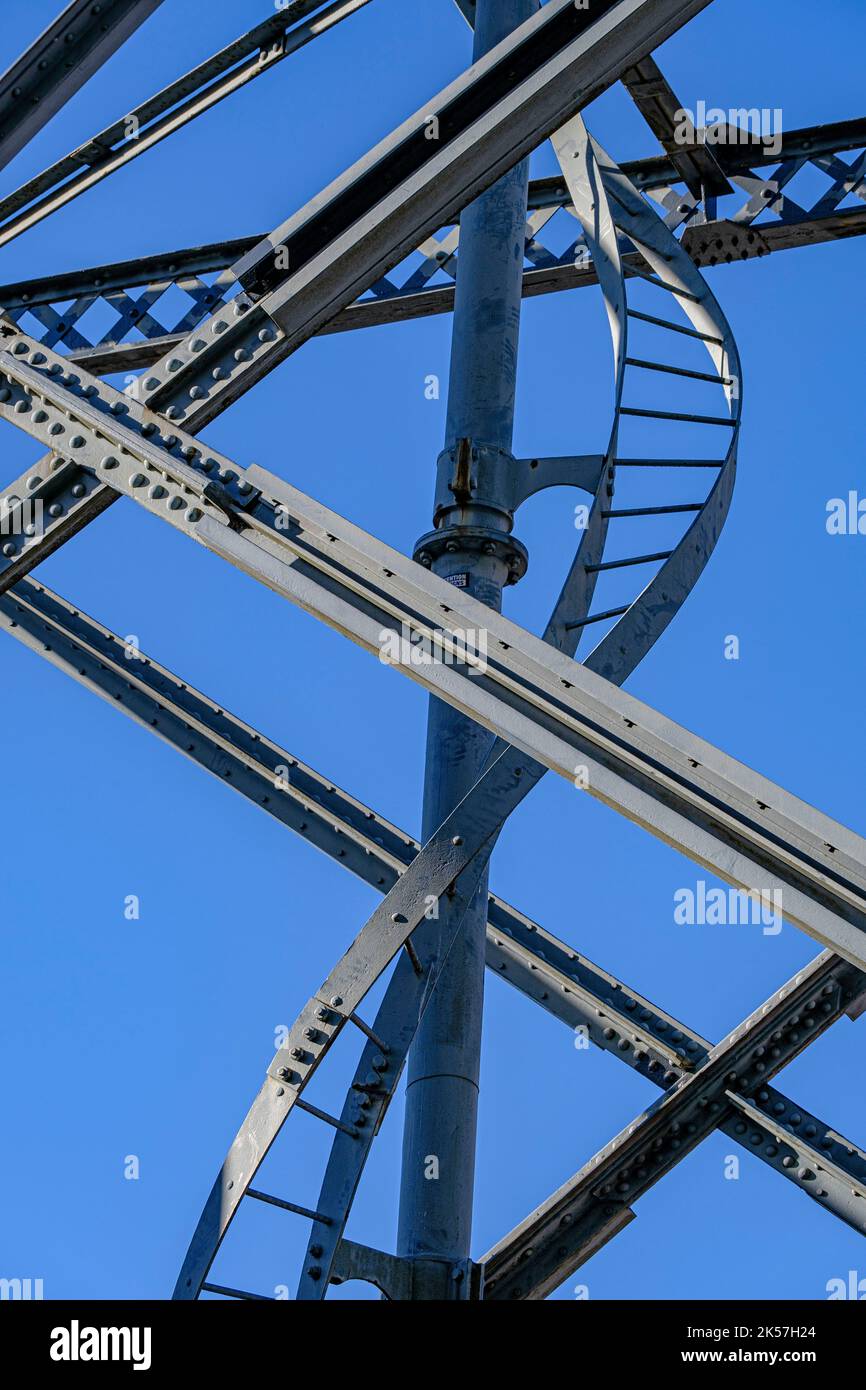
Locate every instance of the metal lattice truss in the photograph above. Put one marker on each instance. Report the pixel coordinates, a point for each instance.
(641, 238)
(96, 315)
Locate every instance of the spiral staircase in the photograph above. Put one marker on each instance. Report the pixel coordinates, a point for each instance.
(668, 332)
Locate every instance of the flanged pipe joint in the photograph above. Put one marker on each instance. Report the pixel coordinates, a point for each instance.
(476, 493)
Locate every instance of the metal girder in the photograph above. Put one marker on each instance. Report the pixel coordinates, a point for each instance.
(653, 96)
(739, 155)
(60, 302)
(551, 973)
(578, 1219)
(240, 62)
(457, 145)
(808, 142)
(59, 62)
(332, 250)
(709, 244)
(718, 812)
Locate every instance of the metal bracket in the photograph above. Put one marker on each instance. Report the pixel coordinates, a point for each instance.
(402, 1280)
(578, 470)
(723, 242)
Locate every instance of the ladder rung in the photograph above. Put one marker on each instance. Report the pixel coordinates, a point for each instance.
(622, 564)
(328, 1119)
(712, 377)
(598, 617)
(678, 415)
(237, 1293)
(288, 1206)
(655, 511)
(669, 463)
(368, 1032)
(652, 279)
(674, 327)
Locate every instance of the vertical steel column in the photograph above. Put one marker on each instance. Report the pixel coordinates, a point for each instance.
(472, 546)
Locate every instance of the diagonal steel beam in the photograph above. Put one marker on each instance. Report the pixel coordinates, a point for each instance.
(364, 223)
(653, 96)
(581, 1217)
(566, 984)
(561, 715)
(59, 62)
(182, 101)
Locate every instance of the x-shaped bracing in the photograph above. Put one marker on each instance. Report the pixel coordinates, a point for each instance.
(744, 828)
(336, 571)
(614, 1016)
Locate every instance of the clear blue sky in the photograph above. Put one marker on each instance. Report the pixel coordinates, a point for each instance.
(151, 1037)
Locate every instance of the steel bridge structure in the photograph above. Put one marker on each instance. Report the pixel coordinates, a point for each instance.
(441, 217)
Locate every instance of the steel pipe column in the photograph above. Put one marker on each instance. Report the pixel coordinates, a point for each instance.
(472, 546)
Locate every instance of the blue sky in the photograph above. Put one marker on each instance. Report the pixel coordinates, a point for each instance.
(151, 1037)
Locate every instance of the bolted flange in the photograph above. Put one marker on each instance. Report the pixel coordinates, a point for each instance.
(473, 540)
